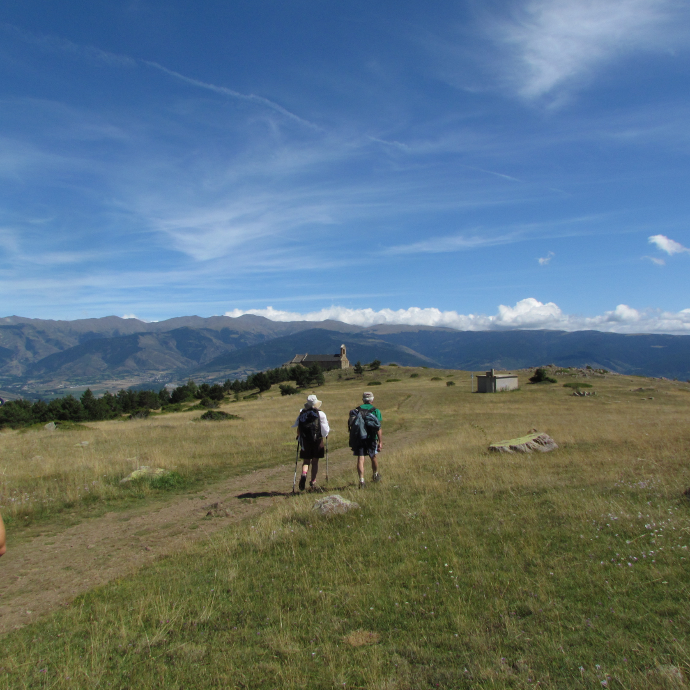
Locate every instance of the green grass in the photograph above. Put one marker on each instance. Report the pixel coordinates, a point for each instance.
(462, 569)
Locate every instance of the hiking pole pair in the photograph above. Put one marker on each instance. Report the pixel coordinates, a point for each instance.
(326, 459)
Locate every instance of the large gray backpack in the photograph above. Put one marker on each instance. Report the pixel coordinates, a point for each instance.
(362, 424)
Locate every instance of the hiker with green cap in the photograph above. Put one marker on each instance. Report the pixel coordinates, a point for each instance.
(312, 429)
(366, 438)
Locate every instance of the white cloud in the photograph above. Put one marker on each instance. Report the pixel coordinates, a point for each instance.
(224, 90)
(558, 42)
(456, 243)
(545, 260)
(526, 314)
(667, 245)
(655, 260)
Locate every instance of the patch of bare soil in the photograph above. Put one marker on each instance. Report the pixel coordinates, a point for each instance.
(39, 575)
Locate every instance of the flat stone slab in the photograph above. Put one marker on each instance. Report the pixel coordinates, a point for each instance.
(334, 505)
(142, 472)
(525, 444)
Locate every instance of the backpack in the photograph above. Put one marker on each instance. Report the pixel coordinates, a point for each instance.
(309, 425)
(363, 424)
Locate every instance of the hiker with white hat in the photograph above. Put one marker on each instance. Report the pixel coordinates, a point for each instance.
(366, 438)
(312, 429)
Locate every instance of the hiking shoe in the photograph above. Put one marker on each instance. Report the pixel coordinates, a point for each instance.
(313, 487)
(302, 482)
(377, 477)
(361, 483)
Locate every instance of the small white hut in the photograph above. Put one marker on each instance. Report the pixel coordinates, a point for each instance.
(491, 382)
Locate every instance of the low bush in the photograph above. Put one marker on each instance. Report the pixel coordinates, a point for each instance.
(374, 383)
(140, 414)
(217, 416)
(414, 376)
(450, 383)
(392, 364)
(542, 376)
(287, 389)
(168, 482)
(392, 380)
(436, 378)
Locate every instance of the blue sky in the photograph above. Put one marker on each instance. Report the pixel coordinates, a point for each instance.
(473, 164)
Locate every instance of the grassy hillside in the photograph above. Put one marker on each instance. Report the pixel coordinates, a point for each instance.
(463, 569)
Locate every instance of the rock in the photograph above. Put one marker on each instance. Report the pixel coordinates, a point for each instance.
(50, 426)
(216, 510)
(334, 505)
(143, 472)
(525, 444)
(81, 444)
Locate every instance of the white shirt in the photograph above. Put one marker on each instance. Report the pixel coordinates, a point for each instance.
(325, 429)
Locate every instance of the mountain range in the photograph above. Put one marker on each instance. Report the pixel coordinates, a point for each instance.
(39, 353)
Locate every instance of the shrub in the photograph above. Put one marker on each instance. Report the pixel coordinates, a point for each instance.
(392, 364)
(414, 376)
(392, 380)
(542, 376)
(358, 369)
(374, 383)
(436, 378)
(217, 416)
(373, 366)
(574, 384)
(168, 482)
(140, 414)
(208, 403)
(450, 383)
(287, 389)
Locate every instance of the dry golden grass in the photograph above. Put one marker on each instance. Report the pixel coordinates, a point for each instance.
(471, 569)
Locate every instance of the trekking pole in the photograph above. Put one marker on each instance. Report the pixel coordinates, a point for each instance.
(294, 480)
(326, 459)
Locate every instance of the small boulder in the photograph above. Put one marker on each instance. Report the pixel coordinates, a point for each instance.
(144, 472)
(50, 426)
(525, 444)
(216, 510)
(334, 505)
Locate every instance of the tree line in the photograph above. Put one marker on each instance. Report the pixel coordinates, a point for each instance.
(89, 408)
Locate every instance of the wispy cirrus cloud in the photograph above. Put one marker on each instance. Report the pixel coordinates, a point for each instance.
(526, 314)
(86, 52)
(454, 243)
(557, 43)
(545, 260)
(225, 91)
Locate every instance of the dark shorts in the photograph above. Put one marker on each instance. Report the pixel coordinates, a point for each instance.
(368, 448)
(311, 451)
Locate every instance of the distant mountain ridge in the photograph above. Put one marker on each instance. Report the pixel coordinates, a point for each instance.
(41, 352)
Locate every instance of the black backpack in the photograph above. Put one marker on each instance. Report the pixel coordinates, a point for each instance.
(309, 425)
(362, 424)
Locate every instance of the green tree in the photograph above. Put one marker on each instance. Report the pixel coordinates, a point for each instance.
(376, 364)
(316, 377)
(262, 382)
(358, 369)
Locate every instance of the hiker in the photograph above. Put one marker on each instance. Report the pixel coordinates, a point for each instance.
(366, 438)
(2, 537)
(312, 429)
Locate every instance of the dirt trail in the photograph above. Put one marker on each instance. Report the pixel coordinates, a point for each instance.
(49, 571)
